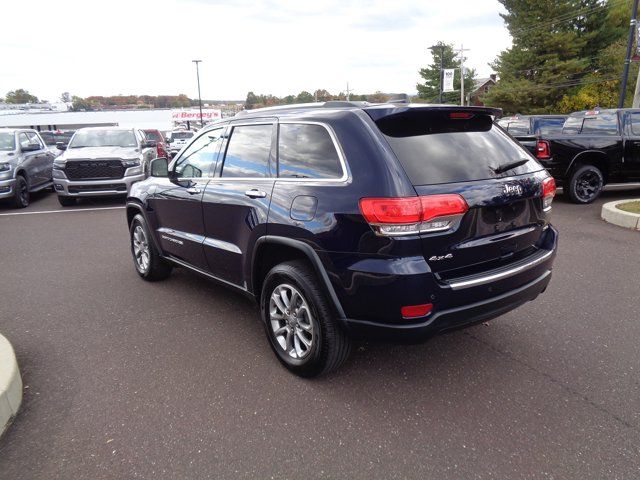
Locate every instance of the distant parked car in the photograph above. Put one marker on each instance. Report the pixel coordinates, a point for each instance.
(162, 146)
(178, 140)
(52, 138)
(527, 129)
(101, 161)
(25, 165)
(595, 148)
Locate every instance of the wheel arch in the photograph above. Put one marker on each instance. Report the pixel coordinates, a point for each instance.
(596, 158)
(271, 250)
(134, 209)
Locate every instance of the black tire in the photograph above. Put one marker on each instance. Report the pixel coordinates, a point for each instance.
(66, 201)
(585, 184)
(21, 195)
(329, 344)
(155, 268)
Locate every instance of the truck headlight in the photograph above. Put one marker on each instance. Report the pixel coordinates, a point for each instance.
(5, 167)
(131, 163)
(58, 173)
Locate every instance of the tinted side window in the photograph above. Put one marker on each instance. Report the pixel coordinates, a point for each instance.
(307, 151)
(33, 138)
(199, 158)
(248, 152)
(549, 125)
(603, 124)
(519, 127)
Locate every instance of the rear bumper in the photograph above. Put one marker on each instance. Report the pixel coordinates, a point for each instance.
(95, 188)
(450, 319)
(7, 188)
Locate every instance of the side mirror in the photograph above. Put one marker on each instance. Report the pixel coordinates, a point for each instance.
(149, 144)
(61, 146)
(30, 147)
(159, 167)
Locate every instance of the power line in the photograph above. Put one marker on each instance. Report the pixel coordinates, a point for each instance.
(565, 18)
(560, 85)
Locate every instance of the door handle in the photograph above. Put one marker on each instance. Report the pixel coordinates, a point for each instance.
(255, 193)
(193, 190)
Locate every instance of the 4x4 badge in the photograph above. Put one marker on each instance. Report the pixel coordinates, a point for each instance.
(436, 258)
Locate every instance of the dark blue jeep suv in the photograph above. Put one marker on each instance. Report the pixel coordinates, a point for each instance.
(352, 221)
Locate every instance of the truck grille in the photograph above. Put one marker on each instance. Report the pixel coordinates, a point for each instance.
(94, 169)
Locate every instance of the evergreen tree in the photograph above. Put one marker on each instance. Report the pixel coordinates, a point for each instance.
(430, 89)
(557, 50)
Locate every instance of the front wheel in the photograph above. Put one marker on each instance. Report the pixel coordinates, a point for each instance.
(300, 323)
(147, 260)
(585, 184)
(21, 195)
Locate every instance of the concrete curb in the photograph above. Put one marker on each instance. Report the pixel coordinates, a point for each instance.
(10, 384)
(619, 217)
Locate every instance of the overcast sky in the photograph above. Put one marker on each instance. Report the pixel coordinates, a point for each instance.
(272, 46)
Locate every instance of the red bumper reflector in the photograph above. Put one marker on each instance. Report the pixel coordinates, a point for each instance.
(415, 311)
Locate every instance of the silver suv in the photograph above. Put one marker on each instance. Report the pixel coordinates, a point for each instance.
(25, 165)
(101, 161)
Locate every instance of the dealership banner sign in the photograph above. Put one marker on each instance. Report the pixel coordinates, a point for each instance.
(193, 114)
(447, 81)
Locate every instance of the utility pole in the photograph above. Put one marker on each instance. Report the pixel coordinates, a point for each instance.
(461, 52)
(627, 59)
(441, 47)
(197, 62)
(348, 91)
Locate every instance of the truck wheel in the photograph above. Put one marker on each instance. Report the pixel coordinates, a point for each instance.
(148, 262)
(21, 194)
(300, 323)
(66, 201)
(585, 184)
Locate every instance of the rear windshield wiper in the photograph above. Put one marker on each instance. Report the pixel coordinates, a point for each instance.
(509, 165)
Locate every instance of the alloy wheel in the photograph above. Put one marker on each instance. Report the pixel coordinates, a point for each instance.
(291, 321)
(141, 250)
(588, 185)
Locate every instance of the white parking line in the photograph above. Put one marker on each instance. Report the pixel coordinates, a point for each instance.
(60, 211)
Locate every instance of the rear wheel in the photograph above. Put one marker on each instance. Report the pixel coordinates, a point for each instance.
(147, 260)
(300, 323)
(585, 184)
(21, 195)
(66, 201)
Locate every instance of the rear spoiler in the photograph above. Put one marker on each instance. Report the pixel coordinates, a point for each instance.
(380, 111)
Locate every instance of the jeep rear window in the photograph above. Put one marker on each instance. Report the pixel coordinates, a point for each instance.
(434, 148)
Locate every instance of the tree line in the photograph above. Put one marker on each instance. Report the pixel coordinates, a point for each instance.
(321, 95)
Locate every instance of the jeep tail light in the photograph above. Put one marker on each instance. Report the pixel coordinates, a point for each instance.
(416, 311)
(413, 215)
(543, 151)
(548, 192)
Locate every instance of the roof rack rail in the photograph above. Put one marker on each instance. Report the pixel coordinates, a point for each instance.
(399, 98)
(344, 104)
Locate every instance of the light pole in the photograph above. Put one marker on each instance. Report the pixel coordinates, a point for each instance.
(627, 59)
(197, 62)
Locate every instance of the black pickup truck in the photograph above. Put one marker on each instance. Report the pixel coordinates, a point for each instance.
(527, 129)
(595, 148)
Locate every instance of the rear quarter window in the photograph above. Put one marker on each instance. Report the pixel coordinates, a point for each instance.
(307, 151)
(434, 149)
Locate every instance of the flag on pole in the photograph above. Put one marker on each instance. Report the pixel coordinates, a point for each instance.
(447, 82)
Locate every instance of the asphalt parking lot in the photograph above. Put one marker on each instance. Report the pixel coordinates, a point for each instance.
(126, 379)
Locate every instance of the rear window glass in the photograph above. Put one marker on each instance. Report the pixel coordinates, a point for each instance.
(153, 135)
(549, 125)
(307, 151)
(519, 127)
(599, 124)
(433, 148)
